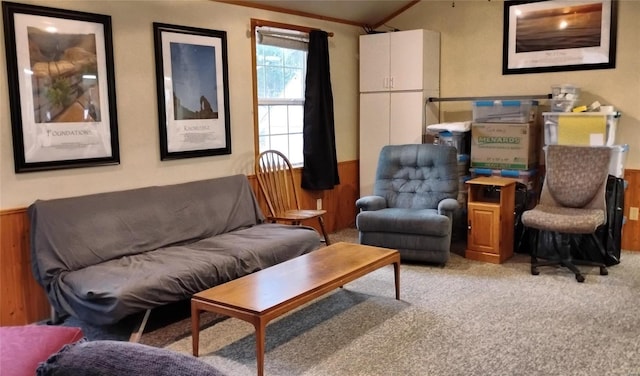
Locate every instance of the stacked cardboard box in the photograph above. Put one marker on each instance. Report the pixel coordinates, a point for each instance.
(509, 144)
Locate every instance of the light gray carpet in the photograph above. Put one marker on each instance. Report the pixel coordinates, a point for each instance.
(468, 318)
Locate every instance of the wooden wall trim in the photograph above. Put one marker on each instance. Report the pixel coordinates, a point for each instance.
(23, 301)
(631, 229)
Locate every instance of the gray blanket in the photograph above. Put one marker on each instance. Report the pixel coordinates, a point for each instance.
(105, 256)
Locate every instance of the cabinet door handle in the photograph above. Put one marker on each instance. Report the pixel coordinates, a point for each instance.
(469, 226)
(391, 82)
(385, 82)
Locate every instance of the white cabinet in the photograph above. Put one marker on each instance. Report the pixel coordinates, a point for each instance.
(373, 136)
(398, 72)
(399, 61)
(376, 130)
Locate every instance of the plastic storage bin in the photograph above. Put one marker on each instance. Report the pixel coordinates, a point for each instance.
(463, 194)
(564, 97)
(511, 111)
(561, 105)
(565, 91)
(461, 140)
(580, 128)
(463, 164)
(618, 160)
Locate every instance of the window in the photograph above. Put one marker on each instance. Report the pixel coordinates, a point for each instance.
(281, 62)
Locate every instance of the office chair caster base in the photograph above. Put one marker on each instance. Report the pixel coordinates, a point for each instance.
(534, 271)
(579, 278)
(603, 271)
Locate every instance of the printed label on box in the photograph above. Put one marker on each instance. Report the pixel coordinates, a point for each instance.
(503, 146)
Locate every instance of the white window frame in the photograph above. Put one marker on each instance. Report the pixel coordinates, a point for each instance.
(298, 37)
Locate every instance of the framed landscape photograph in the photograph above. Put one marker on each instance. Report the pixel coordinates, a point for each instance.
(61, 88)
(560, 35)
(193, 91)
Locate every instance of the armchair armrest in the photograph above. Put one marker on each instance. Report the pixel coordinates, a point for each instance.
(447, 206)
(367, 203)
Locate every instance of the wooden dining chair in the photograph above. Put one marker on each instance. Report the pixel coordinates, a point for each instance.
(275, 177)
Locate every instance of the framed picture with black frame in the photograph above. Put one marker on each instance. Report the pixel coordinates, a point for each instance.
(193, 91)
(553, 36)
(61, 88)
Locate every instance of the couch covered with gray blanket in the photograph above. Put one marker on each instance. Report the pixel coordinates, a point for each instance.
(105, 256)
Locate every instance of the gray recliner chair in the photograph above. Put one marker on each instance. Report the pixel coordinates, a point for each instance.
(413, 201)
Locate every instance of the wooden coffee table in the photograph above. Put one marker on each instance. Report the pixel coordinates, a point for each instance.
(269, 293)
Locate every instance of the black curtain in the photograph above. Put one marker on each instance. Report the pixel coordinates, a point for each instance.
(320, 170)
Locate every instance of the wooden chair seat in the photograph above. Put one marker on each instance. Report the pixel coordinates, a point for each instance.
(297, 215)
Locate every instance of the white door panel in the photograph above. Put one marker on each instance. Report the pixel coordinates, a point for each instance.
(374, 134)
(406, 68)
(374, 62)
(406, 118)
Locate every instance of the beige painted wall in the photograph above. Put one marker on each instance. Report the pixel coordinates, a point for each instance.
(471, 66)
(471, 63)
(137, 104)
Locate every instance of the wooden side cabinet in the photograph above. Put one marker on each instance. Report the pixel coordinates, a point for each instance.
(490, 216)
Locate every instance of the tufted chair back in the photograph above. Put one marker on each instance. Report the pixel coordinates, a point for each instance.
(416, 176)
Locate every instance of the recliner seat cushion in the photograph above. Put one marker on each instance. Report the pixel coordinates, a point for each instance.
(425, 222)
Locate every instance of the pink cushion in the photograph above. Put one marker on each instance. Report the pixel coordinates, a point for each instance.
(22, 348)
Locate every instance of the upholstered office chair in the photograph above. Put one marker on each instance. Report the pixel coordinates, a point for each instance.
(572, 201)
(414, 197)
(275, 177)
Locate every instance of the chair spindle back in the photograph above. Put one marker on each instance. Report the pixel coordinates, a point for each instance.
(275, 177)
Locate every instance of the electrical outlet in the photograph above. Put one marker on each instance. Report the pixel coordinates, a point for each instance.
(319, 204)
(633, 213)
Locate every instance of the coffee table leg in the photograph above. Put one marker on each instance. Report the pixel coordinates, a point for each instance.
(195, 328)
(396, 273)
(260, 326)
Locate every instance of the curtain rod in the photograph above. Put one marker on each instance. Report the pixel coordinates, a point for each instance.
(500, 97)
(304, 29)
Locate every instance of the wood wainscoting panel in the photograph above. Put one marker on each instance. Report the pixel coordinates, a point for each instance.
(631, 229)
(23, 300)
(342, 199)
(339, 202)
